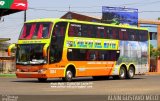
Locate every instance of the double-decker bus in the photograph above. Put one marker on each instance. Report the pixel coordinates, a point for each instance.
(63, 48)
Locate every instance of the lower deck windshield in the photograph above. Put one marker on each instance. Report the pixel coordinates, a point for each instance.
(30, 54)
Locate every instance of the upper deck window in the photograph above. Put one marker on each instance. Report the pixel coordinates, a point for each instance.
(37, 30)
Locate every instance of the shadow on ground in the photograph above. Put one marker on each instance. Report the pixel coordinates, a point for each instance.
(79, 79)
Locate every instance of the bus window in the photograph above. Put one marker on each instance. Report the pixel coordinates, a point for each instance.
(45, 30)
(92, 55)
(36, 30)
(131, 35)
(93, 31)
(115, 33)
(125, 34)
(109, 33)
(84, 30)
(136, 35)
(71, 31)
(74, 30)
(101, 56)
(76, 54)
(100, 32)
(89, 31)
(143, 35)
(111, 55)
(120, 35)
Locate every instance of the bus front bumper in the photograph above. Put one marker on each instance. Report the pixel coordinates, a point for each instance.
(31, 75)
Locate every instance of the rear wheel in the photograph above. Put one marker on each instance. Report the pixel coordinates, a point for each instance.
(122, 73)
(68, 75)
(42, 79)
(131, 72)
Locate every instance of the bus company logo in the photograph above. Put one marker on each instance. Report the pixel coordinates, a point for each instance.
(2, 3)
(20, 4)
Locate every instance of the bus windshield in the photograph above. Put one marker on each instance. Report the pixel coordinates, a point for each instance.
(38, 30)
(30, 54)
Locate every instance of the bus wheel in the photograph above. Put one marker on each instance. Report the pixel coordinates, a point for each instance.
(131, 72)
(122, 73)
(68, 75)
(42, 79)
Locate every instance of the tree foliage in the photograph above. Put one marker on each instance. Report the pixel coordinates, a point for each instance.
(154, 52)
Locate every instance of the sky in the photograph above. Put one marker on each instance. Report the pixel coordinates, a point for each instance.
(12, 24)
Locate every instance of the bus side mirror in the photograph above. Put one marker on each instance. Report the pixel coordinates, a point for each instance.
(11, 50)
(45, 48)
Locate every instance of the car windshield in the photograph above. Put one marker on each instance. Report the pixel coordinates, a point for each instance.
(37, 30)
(30, 54)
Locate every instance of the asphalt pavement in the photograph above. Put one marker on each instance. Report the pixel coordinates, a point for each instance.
(79, 88)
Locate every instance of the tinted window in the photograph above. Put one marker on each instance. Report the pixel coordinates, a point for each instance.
(108, 32)
(100, 32)
(143, 35)
(37, 30)
(115, 33)
(85, 29)
(92, 55)
(121, 34)
(75, 30)
(95, 31)
(131, 35)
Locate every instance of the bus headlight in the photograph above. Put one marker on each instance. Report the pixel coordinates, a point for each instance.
(42, 70)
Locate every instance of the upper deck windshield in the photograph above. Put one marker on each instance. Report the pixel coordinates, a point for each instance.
(38, 30)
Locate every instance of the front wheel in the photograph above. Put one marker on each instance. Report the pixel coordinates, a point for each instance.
(68, 76)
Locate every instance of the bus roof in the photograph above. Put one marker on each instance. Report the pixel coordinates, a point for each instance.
(85, 22)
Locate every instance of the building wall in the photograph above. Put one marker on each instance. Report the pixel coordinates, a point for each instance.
(153, 33)
(154, 29)
(7, 64)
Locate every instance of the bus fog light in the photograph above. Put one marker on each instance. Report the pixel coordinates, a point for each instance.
(18, 70)
(42, 70)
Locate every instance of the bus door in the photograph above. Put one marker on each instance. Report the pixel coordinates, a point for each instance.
(57, 41)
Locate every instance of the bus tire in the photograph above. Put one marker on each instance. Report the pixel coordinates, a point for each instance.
(68, 75)
(42, 79)
(130, 72)
(122, 73)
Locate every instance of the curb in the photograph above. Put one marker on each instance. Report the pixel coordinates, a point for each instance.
(153, 73)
